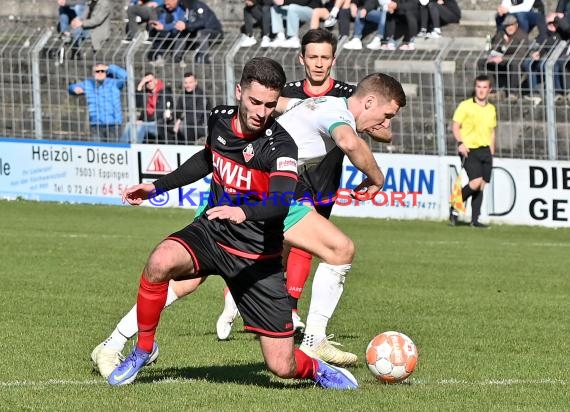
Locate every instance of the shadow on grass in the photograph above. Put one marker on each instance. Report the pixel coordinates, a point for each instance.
(255, 374)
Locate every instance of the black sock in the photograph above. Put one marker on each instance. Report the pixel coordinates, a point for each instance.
(466, 192)
(294, 302)
(476, 203)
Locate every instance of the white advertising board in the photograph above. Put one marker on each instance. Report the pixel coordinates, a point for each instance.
(412, 189)
(64, 171)
(154, 161)
(523, 192)
(528, 192)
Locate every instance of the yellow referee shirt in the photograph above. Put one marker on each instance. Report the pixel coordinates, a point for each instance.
(477, 123)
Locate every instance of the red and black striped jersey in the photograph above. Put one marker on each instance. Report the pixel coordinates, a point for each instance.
(299, 89)
(257, 173)
(321, 179)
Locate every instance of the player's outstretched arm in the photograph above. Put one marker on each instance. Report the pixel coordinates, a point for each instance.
(195, 168)
(359, 153)
(135, 195)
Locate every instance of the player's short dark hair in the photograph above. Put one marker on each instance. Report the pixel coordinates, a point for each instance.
(189, 74)
(318, 36)
(383, 85)
(483, 78)
(264, 71)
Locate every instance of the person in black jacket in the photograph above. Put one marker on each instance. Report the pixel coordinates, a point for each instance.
(203, 26)
(191, 112)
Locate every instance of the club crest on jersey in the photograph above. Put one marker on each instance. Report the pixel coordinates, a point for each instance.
(248, 153)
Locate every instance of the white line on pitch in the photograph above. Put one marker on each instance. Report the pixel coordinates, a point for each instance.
(491, 382)
(167, 381)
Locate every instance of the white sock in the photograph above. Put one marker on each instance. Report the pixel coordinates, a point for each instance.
(328, 285)
(334, 12)
(128, 327)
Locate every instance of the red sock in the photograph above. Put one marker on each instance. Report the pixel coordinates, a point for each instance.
(150, 302)
(306, 366)
(298, 271)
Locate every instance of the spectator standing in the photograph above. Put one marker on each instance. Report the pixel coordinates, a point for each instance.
(156, 106)
(103, 95)
(256, 11)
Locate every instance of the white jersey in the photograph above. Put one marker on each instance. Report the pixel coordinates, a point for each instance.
(311, 121)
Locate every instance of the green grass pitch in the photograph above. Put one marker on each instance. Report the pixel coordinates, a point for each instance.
(488, 310)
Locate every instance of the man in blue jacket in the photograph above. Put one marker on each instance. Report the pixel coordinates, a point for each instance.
(103, 95)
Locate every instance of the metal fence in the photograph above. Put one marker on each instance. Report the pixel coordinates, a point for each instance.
(37, 69)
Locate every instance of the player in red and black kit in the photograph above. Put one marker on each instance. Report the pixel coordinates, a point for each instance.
(318, 49)
(318, 177)
(251, 158)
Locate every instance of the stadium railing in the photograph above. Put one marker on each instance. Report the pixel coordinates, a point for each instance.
(37, 69)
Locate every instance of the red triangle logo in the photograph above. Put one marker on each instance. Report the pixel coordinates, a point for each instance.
(158, 164)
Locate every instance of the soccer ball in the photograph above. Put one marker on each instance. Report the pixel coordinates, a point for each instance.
(391, 357)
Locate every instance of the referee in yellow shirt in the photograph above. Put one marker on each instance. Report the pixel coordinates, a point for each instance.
(474, 123)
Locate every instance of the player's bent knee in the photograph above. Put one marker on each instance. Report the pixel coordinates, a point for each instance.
(157, 269)
(160, 264)
(343, 251)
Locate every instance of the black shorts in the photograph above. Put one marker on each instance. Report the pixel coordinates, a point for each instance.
(323, 203)
(320, 179)
(257, 286)
(479, 163)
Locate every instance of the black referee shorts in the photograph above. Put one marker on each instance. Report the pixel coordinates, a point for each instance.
(257, 286)
(479, 163)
